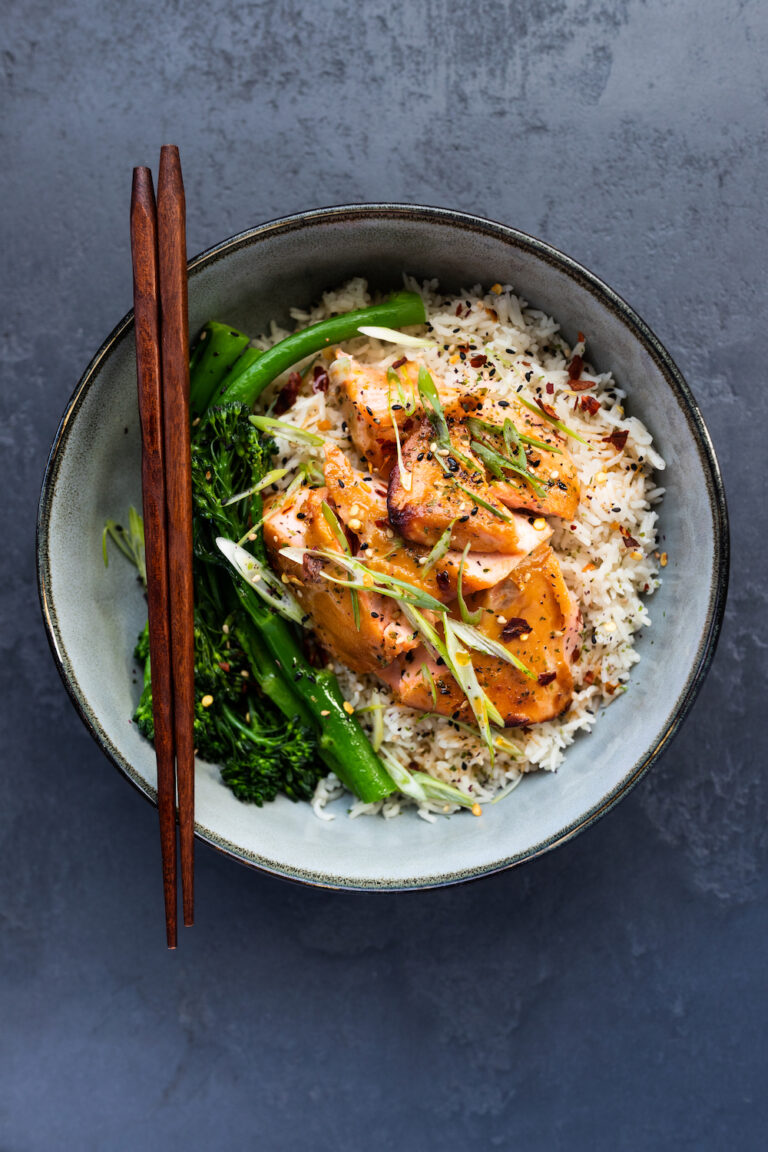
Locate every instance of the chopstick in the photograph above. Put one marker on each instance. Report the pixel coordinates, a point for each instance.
(147, 324)
(158, 246)
(172, 252)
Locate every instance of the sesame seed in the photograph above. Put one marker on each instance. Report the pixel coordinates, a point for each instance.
(355, 524)
(325, 712)
(539, 523)
(601, 478)
(476, 810)
(348, 708)
(207, 701)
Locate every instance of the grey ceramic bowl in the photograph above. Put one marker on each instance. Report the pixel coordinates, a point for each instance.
(93, 615)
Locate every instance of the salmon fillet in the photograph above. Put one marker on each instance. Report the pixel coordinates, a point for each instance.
(439, 494)
(540, 626)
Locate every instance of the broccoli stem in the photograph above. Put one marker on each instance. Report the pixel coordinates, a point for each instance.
(217, 350)
(249, 378)
(342, 743)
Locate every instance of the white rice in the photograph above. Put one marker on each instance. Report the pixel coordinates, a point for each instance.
(607, 577)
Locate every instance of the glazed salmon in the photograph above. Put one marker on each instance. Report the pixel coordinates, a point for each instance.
(443, 491)
(533, 614)
(383, 635)
(361, 502)
(371, 404)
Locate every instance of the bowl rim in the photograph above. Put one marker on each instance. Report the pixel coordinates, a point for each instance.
(664, 362)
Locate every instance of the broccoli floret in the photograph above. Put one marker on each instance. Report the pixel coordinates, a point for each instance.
(271, 760)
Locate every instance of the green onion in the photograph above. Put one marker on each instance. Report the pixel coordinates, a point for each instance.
(464, 672)
(429, 680)
(482, 643)
(467, 616)
(130, 543)
(262, 579)
(287, 431)
(483, 503)
(406, 477)
(270, 478)
(392, 336)
(431, 400)
(443, 545)
(423, 788)
(557, 423)
(338, 532)
(380, 582)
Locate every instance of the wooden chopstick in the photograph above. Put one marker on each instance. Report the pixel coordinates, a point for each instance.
(174, 324)
(147, 324)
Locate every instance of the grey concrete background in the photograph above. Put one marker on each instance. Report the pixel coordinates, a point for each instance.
(609, 996)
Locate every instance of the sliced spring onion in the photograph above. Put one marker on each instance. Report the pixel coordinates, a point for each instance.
(262, 579)
(464, 672)
(379, 582)
(433, 407)
(332, 521)
(279, 501)
(482, 643)
(483, 503)
(468, 617)
(421, 787)
(287, 431)
(392, 336)
(498, 430)
(429, 680)
(130, 542)
(509, 788)
(545, 415)
(269, 478)
(406, 477)
(443, 545)
(496, 465)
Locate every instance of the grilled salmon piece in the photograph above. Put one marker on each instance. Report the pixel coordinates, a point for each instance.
(361, 502)
(534, 615)
(384, 634)
(366, 394)
(553, 467)
(439, 493)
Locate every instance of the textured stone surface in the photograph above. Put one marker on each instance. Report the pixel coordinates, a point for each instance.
(609, 996)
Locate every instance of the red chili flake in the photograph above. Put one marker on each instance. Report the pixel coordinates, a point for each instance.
(478, 361)
(320, 379)
(628, 540)
(575, 367)
(443, 581)
(589, 404)
(381, 523)
(589, 677)
(550, 388)
(459, 308)
(547, 408)
(224, 665)
(399, 363)
(547, 678)
(516, 626)
(618, 439)
(581, 385)
(288, 393)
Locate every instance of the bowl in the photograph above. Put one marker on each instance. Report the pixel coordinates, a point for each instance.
(93, 616)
